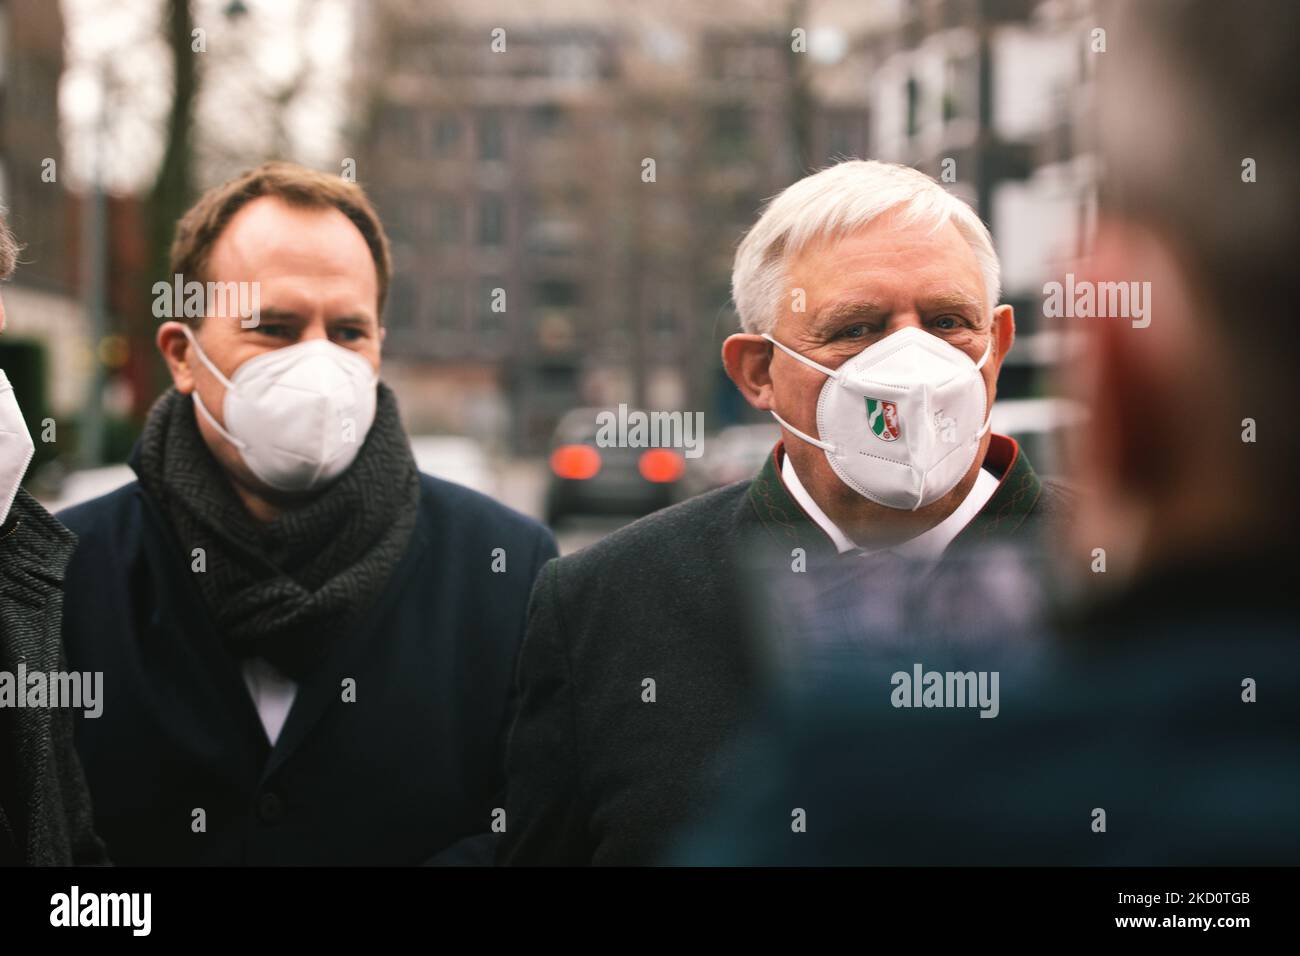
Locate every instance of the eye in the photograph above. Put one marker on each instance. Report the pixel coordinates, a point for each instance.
(852, 332)
(349, 333)
(278, 330)
(946, 322)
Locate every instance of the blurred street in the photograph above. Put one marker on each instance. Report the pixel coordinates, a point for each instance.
(534, 485)
(517, 482)
(557, 251)
(522, 486)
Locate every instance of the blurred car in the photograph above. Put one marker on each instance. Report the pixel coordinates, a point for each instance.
(1041, 427)
(733, 454)
(586, 479)
(455, 458)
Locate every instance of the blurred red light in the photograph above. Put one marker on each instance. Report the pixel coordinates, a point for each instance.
(661, 465)
(576, 462)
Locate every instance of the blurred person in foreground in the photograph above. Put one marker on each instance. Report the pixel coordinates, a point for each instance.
(45, 812)
(307, 644)
(1162, 724)
(868, 299)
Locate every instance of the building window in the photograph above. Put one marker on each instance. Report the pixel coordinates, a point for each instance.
(555, 294)
(491, 220)
(491, 137)
(447, 305)
(401, 303)
(399, 129)
(446, 135)
(491, 292)
(731, 133)
(546, 119)
(663, 317)
(448, 222)
(843, 138)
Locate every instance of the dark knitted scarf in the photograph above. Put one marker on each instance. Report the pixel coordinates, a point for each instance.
(284, 591)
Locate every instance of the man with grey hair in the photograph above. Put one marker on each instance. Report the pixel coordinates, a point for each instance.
(45, 815)
(1159, 720)
(868, 301)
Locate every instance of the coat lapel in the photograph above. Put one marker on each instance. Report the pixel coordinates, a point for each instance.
(1011, 504)
(222, 676)
(325, 687)
(788, 526)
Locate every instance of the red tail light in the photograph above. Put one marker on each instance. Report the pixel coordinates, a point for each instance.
(577, 462)
(661, 465)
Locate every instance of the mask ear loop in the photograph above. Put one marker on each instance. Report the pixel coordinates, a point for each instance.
(829, 373)
(198, 402)
(988, 419)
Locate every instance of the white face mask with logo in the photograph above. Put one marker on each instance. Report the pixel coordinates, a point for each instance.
(298, 414)
(16, 447)
(902, 420)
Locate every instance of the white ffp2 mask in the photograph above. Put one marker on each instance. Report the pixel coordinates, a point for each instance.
(299, 414)
(16, 447)
(902, 420)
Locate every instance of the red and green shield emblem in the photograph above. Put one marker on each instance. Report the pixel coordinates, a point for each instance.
(882, 419)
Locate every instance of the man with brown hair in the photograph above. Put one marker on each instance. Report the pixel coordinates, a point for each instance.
(307, 645)
(45, 817)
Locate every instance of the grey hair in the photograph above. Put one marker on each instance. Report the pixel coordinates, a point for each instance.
(837, 201)
(9, 248)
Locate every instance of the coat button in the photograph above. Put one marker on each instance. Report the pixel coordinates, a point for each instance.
(270, 808)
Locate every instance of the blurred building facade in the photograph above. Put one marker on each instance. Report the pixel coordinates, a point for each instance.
(50, 348)
(527, 169)
(43, 349)
(506, 149)
(540, 264)
(998, 95)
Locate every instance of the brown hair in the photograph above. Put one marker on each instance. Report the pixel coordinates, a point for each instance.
(198, 230)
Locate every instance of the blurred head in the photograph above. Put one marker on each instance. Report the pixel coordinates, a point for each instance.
(838, 262)
(314, 247)
(1192, 96)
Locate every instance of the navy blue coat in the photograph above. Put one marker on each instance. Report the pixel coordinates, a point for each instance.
(408, 773)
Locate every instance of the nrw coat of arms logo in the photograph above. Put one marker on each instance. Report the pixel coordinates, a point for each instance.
(882, 419)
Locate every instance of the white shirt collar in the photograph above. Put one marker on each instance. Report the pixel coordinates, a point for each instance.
(926, 546)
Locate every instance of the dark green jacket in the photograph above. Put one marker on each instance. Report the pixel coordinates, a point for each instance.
(605, 766)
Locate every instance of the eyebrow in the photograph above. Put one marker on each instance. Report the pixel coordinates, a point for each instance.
(280, 315)
(286, 315)
(838, 312)
(868, 309)
(948, 300)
